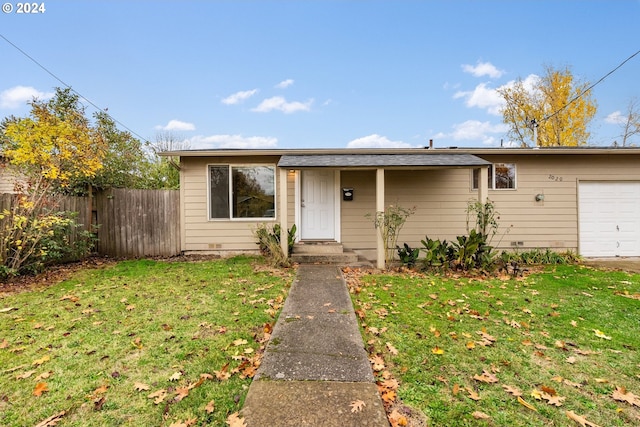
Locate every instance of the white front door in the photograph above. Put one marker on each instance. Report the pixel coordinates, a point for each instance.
(317, 205)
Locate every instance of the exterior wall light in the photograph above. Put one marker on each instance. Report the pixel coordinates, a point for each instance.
(539, 197)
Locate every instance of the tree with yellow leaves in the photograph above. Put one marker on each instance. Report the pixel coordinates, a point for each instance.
(547, 111)
(55, 143)
(52, 148)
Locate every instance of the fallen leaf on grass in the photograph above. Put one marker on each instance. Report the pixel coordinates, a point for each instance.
(392, 349)
(437, 350)
(486, 377)
(601, 334)
(44, 375)
(526, 405)
(186, 423)
(480, 415)
(181, 393)
(210, 407)
(25, 375)
(357, 406)
(239, 342)
(472, 394)
(622, 395)
(40, 361)
(158, 396)
(580, 420)
(512, 390)
(377, 363)
(222, 374)
(396, 419)
(176, 376)
(141, 387)
(52, 420)
(39, 389)
(234, 420)
(389, 396)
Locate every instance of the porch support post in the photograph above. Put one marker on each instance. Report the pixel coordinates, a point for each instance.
(282, 201)
(380, 260)
(483, 185)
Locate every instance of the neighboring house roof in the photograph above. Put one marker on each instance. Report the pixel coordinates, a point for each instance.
(379, 160)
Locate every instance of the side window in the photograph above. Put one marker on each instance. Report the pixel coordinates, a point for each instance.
(502, 176)
(505, 176)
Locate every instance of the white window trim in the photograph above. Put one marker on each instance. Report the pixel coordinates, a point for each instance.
(274, 218)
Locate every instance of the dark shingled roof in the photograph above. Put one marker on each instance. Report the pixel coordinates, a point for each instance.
(379, 160)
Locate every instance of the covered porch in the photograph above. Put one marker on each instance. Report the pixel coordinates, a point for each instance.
(322, 200)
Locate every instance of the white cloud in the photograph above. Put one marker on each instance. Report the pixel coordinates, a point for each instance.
(281, 104)
(376, 141)
(18, 96)
(284, 84)
(483, 69)
(615, 118)
(477, 131)
(177, 125)
(482, 97)
(238, 97)
(232, 141)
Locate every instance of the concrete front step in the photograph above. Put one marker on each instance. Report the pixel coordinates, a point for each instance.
(318, 247)
(320, 258)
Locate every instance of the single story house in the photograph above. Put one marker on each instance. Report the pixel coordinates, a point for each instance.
(585, 199)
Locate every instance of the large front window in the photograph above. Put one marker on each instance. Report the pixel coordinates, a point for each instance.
(242, 191)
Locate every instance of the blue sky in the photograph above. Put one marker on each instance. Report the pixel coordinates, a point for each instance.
(315, 74)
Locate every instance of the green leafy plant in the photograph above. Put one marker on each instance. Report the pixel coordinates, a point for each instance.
(33, 235)
(539, 257)
(268, 240)
(407, 255)
(437, 253)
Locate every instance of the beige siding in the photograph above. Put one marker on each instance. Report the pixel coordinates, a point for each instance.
(203, 234)
(9, 176)
(552, 223)
(440, 196)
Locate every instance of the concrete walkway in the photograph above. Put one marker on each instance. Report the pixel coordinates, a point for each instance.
(315, 364)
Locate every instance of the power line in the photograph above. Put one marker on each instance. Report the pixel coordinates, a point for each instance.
(578, 96)
(72, 89)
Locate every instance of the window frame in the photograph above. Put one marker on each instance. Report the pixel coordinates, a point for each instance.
(492, 177)
(230, 207)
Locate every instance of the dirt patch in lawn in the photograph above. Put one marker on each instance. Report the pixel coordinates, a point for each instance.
(50, 276)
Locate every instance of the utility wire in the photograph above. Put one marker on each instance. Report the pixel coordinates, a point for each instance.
(578, 96)
(72, 89)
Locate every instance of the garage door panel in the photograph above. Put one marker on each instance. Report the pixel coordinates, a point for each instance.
(609, 215)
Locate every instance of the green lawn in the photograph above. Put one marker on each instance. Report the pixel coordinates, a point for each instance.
(565, 339)
(93, 348)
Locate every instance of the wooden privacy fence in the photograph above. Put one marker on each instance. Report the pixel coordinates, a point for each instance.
(130, 223)
(138, 223)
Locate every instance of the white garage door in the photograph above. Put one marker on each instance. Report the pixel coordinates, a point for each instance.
(609, 215)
